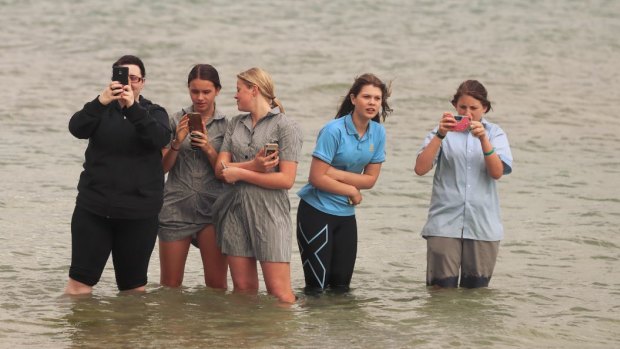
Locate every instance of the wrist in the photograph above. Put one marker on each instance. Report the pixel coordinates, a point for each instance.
(103, 100)
(440, 135)
(174, 145)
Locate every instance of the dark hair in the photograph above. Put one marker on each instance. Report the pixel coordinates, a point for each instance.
(205, 72)
(366, 79)
(129, 59)
(475, 89)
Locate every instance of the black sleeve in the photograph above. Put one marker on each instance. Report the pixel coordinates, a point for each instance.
(83, 123)
(151, 123)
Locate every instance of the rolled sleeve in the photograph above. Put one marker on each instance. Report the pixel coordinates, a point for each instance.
(499, 140)
(327, 143)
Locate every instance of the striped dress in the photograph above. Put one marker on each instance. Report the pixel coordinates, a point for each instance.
(252, 221)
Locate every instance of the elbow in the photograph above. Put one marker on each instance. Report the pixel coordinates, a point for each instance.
(287, 183)
(419, 171)
(313, 181)
(370, 184)
(496, 176)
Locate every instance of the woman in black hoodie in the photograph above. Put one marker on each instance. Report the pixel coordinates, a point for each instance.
(121, 188)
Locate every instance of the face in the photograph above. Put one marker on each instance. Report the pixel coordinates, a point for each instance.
(244, 96)
(135, 79)
(367, 103)
(469, 106)
(202, 93)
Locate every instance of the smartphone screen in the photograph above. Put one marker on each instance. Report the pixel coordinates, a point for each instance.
(120, 74)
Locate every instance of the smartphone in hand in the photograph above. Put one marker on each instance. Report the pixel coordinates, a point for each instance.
(120, 74)
(195, 122)
(270, 148)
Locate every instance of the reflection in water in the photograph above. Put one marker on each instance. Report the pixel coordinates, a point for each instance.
(207, 318)
(168, 317)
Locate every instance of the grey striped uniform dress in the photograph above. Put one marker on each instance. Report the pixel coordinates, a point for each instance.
(252, 221)
(191, 187)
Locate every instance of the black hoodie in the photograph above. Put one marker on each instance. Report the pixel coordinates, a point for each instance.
(123, 175)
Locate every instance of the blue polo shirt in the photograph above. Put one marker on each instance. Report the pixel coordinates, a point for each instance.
(464, 202)
(339, 145)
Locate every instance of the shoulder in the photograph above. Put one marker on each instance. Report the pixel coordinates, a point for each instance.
(219, 117)
(239, 117)
(377, 127)
(286, 122)
(177, 115)
(492, 127)
(335, 126)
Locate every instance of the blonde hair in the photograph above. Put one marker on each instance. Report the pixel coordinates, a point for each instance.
(262, 80)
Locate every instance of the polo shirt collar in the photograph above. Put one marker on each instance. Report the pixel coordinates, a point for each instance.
(351, 130)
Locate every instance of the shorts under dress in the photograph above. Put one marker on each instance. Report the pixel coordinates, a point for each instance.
(252, 221)
(191, 187)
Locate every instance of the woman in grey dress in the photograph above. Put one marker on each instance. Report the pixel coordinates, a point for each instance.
(252, 219)
(191, 187)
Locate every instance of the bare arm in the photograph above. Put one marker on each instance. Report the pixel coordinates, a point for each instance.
(321, 180)
(260, 163)
(365, 180)
(424, 161)
(283, 179)
(495, 167)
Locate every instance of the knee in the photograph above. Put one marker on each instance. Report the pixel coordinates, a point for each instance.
(245, 285)
(76, 288)
(217, 283)
(173, 282)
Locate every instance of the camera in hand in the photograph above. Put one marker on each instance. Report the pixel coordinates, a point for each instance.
(462, 123)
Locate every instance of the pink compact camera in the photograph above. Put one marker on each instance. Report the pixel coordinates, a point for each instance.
(462, 123)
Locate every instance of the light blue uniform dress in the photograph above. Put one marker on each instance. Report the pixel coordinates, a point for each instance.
(464, 202)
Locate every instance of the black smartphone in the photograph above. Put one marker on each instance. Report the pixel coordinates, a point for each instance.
(120, 74)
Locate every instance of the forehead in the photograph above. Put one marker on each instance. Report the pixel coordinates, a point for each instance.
(241, 83)
(133, 69)
(201, 84)
(371, 90)
(468, 100)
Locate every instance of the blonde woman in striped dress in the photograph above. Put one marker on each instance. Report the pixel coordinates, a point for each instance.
(253, 218)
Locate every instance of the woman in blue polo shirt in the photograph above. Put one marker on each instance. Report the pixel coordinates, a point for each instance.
(347, 158)
(464, 224)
